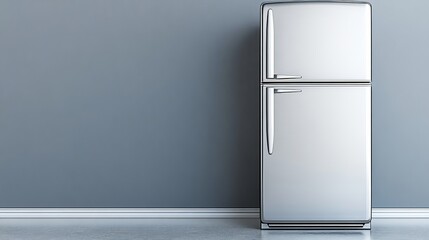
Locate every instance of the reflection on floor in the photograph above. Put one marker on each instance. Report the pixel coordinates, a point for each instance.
(209, 229)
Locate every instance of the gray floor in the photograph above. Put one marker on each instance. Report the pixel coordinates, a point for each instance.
(195, 229)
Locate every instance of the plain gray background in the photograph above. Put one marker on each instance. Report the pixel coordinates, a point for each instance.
(154, 103)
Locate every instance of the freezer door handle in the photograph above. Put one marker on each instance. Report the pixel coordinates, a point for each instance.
(270, 51)
(270, 44)
(281, 76)
(270, 113)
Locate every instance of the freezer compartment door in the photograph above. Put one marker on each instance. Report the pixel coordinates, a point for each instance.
(316, 153)
(316, 42)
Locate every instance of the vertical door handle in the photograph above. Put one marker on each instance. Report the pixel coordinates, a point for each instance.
(270, 120)
(270, 51)
(270, 44)
(270, 91)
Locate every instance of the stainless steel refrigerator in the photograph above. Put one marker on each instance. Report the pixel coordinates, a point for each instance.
(315, 115)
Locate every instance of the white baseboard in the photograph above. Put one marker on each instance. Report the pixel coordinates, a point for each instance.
(400, 213)
(129, 213)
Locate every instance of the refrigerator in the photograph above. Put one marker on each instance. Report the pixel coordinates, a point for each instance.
(315, 115)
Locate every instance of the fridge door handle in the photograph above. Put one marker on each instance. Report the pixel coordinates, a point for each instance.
(270, 113)
(270, 51)
(270, 120)
(287, 90)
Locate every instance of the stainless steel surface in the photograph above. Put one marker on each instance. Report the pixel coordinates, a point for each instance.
(320, 41)
(319, 175)
(320, 170)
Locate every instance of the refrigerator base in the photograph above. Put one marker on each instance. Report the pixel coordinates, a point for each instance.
(316, 226)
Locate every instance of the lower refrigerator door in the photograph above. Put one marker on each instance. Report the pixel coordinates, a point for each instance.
(316, 156)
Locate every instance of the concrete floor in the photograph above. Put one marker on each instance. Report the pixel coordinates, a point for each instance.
(207, 229)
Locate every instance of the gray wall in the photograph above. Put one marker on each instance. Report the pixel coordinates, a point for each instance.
(140, 103)
(400, 103)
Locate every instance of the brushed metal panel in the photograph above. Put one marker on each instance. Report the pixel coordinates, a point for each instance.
(320, 41)
(320, 167)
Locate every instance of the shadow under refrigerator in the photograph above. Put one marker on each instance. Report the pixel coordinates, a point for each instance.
(315, 115)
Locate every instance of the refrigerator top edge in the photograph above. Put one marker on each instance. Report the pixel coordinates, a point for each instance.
(312, 41)
(316, 2)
